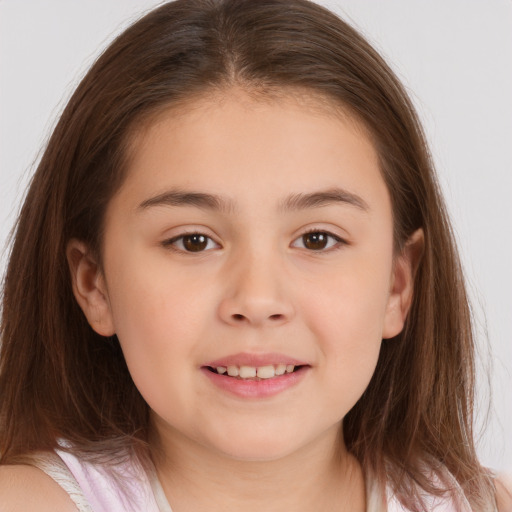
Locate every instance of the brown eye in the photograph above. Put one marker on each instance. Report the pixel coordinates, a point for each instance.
(315, 241)
(193, 242)
(318, 241)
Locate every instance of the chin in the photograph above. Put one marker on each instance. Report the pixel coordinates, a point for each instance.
(258, 446)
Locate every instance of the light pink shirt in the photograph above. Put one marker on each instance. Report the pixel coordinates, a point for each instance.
(131, 489)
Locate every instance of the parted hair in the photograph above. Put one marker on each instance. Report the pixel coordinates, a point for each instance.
(61, 380)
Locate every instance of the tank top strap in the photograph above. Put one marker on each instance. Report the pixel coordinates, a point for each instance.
(93, 488)
(54, 467)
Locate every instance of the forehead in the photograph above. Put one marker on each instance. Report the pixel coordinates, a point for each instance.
(251, 102)
(264, 144)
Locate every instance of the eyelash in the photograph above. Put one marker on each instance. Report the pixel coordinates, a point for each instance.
(338, 241)
(172, 243)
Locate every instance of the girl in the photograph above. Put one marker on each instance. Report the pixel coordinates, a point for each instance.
(233, 283)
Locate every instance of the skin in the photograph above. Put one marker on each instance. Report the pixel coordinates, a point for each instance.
(504, 492)
(44, 494)
(257, 287)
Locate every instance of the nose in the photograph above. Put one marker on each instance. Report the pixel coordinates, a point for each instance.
(256, 294)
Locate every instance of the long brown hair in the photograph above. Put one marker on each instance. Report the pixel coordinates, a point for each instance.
(59, 379)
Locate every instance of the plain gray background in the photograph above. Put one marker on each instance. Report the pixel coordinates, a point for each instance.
(454, 56)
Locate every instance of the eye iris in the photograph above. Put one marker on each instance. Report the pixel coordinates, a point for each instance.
(315, 241)
(195, 243)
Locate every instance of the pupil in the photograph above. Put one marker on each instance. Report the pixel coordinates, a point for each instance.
(315, 241)
(195, 243)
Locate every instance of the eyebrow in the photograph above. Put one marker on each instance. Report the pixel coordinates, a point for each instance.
(293, 202)
(185, 198)
(323, 198)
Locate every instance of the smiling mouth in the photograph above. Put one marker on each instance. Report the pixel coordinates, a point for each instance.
(255, 373)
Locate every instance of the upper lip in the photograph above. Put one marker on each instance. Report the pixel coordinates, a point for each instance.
(255, 360)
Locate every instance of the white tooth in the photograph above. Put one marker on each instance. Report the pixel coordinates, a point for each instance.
(221, 369)
(233, 371)
(266, 372)
(290, 368)
(246, 372)
(280, 369)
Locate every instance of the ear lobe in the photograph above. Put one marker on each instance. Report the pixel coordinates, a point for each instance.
(402, 284)
(89, 288)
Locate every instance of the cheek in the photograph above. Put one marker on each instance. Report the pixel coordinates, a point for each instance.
(348, 305)
(159, 318)
(346, 315)
(154, 297)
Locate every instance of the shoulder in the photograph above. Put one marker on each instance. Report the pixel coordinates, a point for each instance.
(504, 493)
(45, 494)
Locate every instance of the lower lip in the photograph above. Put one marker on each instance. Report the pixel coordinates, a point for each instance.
(256, 388)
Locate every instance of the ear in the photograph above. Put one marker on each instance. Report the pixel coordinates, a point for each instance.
(402, 284)
(89, 288)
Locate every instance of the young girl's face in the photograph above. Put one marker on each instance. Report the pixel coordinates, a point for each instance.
(253, 236)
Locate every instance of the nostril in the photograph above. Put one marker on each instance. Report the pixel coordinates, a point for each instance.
(276, 317)
(238, 317)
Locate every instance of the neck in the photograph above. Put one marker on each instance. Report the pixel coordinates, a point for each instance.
(320, 476)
